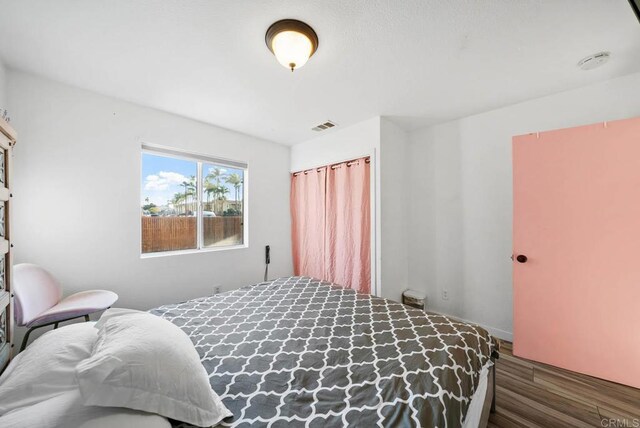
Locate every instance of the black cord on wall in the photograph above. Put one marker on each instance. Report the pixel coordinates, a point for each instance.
(267, 261)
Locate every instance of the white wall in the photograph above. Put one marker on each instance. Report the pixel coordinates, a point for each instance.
(77, 176)
(394, 174)
(461, 196)
(76, 195)
(385, 143)
(3, 87)
(359, 140)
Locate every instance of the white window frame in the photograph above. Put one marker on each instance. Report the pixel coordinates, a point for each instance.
(199, 159)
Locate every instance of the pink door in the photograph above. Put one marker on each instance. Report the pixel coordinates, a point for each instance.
(576, 233)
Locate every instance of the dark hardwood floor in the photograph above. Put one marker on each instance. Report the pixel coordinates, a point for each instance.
(531, 394)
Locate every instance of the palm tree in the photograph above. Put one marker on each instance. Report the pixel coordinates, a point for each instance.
(218, 196)
(214, 183)
(186, 194)
(236, 180)
(189, 190)
(216, 174)
(177, 198)
(209, 188)
(221, 191)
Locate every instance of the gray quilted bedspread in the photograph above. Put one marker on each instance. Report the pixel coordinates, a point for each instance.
(299, 352)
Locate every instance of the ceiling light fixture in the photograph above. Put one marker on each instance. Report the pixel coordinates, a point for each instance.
(594, 61)
(292, 42)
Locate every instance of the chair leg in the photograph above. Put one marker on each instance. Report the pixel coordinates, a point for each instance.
(26, 339)
(493, 399)
(55, 325)
(494, 356)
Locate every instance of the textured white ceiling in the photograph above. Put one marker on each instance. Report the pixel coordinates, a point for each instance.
(418, 61)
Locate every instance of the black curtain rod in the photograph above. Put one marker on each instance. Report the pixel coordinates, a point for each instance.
(332, 166)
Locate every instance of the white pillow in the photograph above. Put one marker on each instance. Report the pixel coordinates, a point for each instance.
(115, 312)
(47, 367)
(143, 362)
(66, 410)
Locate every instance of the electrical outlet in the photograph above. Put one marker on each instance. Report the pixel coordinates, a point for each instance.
(445, 294)
(216, 289)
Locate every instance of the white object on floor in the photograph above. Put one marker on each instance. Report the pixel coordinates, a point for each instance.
(46, 368)
(67, 410)
(413, 294)
(474, 412)
(416, 299)
(143, 362)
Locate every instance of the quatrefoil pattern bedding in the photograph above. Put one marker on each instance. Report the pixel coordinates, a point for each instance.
(302, 352)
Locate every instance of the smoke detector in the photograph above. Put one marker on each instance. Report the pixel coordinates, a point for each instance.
(594, 61)
(323, 126)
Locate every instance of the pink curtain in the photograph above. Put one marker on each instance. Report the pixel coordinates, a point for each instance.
(348, 226)
(307, 222)
(331, 224)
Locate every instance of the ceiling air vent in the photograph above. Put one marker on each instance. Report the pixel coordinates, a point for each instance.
(326, 125)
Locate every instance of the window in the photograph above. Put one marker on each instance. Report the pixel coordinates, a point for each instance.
(191, 202)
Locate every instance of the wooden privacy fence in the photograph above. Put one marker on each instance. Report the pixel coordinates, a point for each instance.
(179, 233)
(224, 230)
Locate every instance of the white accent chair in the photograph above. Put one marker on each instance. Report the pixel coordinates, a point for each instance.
(39, 303)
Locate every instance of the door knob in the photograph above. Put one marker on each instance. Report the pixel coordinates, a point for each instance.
(521, 258)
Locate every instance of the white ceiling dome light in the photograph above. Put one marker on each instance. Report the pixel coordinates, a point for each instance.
(594, 61)
(292, 42)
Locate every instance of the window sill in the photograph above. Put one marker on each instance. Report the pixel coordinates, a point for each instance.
(194, 251)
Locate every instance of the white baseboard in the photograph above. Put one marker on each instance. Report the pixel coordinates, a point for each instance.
(496, 332)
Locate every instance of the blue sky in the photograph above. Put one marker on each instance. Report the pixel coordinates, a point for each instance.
(162, 177)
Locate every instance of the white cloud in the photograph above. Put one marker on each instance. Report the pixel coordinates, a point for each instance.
(222, 170)
(163, 180)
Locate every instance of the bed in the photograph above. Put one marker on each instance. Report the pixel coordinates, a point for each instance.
(302, 352)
